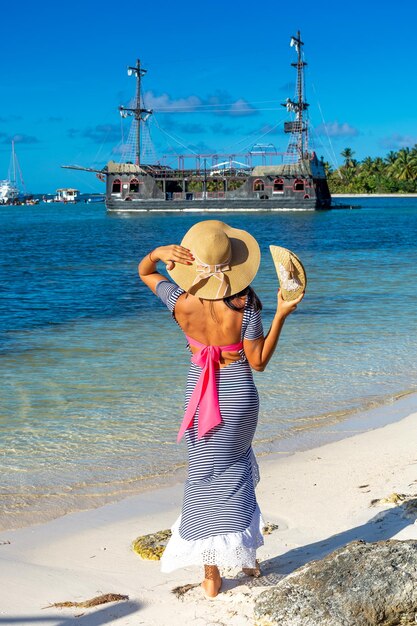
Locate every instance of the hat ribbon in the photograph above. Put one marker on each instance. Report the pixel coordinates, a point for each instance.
(205, 271)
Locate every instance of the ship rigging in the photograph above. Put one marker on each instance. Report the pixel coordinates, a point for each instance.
(139, 114)
(298, 129)
(250, 180)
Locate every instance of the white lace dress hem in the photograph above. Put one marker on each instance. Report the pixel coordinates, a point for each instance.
(228, 550)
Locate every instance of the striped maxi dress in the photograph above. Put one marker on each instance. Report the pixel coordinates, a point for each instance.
(220, 523)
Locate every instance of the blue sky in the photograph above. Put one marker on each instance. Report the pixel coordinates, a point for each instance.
(64, 75)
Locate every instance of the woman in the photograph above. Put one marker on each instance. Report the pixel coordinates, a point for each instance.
(219, 312)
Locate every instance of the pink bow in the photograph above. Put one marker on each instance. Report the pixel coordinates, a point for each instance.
(205, 394)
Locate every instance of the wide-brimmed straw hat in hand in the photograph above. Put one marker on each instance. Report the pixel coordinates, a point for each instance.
(226, 260)
(291, 273)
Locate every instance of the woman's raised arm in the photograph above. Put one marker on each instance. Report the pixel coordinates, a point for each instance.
(259, 351)
(167, 254)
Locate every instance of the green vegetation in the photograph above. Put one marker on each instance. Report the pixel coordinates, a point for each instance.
(214, 184)
(396, 173)
(195, 185)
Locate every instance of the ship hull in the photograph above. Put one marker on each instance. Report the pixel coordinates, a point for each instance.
(241, 204)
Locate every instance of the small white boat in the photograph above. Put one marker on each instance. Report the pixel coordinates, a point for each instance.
(9, 191)
(66, 195)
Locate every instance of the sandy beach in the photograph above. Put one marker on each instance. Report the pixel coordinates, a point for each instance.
(320, 499)
(374, 195)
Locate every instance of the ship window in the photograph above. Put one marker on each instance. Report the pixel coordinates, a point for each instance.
(258, 185)
(134, 185)
(278, 184)
(117, 186)
(298, 185)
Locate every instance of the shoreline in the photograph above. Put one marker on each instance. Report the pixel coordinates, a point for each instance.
(338, 425)
(374, 195)
(320, 499)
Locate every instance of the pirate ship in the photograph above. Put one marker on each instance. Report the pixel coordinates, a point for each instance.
(215, 182)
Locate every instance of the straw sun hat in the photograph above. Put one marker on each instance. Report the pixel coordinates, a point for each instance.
(226, 260)
(291, 273)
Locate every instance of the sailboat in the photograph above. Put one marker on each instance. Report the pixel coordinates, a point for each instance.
(9, 191)
(297, 182)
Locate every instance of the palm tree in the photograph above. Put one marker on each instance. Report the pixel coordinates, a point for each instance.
(405, 165)
(379, 165)
(397, 171)
(195, 185)
(367, 165)
(328, 168)
(391, 157)
(214, 184)
(347, 154)
(234, 183)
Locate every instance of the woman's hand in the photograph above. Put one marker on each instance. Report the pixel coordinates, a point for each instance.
(172, 254)
(169, 255)
(259, 351)
(286, 307)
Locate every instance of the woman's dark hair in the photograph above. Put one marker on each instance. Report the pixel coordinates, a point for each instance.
(252, 299)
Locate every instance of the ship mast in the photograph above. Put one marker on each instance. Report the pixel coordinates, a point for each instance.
(13, 162)
(298, 144)
(139, 114)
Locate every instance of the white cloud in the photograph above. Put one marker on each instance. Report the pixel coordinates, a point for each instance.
(397, 141)
(336, 129)
(241, 107)
(20, 138)
(164, 102)
(219, 103)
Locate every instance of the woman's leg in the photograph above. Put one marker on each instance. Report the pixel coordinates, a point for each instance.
(253, 571)
(212, 581)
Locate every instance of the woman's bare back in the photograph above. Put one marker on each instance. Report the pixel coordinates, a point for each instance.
(211, 322)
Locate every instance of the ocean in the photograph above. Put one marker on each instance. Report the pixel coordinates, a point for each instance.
(94, 367)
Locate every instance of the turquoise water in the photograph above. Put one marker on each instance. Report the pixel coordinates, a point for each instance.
(93, 367)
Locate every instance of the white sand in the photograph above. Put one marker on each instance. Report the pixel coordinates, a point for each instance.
(319, 498)
(374, 195)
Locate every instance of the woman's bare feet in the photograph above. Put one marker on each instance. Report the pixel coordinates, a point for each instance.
(253, 571)
(212, 581)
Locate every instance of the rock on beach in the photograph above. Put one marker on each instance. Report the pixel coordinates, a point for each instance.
(360, 584)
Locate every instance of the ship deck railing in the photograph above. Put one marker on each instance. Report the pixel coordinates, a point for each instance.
(197, 175)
